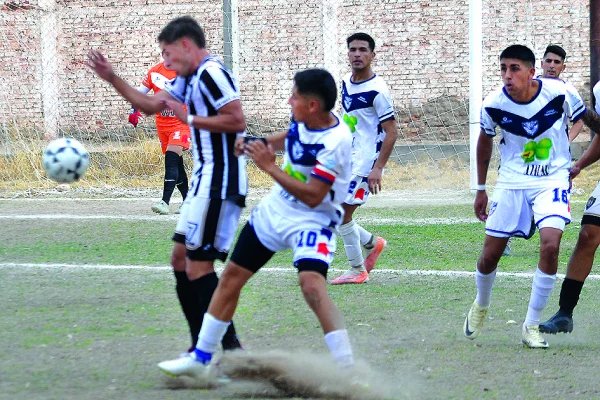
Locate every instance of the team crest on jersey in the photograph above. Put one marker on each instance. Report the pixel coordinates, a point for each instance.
(297, 150)
(347, 102)
(590, 202)
(531, 127)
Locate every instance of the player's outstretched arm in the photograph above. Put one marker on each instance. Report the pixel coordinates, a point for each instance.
(310, 193)
(391, 135)
(148, 104)
(230, 118)
(484, 154)
(277, 141)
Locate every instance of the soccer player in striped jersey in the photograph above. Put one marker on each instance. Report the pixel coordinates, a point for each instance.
(369, 113)
(581, 261)
(174, 136)
(533, 180)
(210, 212)
(301, 213)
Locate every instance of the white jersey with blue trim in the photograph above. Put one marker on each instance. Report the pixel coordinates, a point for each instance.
(534, 146)
(366, 106)
(315, 154)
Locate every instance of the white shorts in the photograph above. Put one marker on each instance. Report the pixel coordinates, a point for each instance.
(358, 191)
(512, 211)
(208, 226)
(309, 240)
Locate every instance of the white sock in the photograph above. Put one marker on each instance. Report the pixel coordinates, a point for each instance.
(351, 238)
(484, 284)
(540, 293)
(365, 236)
(211, 334)
(339, 346)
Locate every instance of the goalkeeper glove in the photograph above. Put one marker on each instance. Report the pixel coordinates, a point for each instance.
(134, 117)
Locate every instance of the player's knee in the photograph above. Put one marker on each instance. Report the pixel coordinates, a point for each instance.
(234, 278)
(487, 263)
(178, 257)
(313, 289)
(589, 237)
(549, 249)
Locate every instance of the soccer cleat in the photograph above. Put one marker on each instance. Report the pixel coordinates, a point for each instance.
(531, 337)
(351, 276)
(560, 322)
(189, 366)
(371, 260)
(161, 208)
(506, 251)
(474, 321)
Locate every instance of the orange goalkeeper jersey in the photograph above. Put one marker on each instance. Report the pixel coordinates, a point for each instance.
(166, 121)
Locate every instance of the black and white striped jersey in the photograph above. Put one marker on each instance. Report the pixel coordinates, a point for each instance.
(217, 172)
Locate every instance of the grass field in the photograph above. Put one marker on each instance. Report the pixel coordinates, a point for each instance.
(89, 308)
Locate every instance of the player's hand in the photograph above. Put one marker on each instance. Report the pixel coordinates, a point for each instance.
(480, 206)
(263, 156)
(134, 117)
(98, 63)
(239, 146)
(374, 180)
(574, 171)
(178, 109)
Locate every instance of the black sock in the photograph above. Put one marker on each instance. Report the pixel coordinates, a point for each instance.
(188, 302)
(569, 295)
(171, 175)
(182, 183)
(204, 288)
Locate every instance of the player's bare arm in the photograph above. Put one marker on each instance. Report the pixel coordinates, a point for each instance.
(229, 120)
(484, 154)
(590, 156)
(575, 130)
(591, 119)
(277, 141)
(147, 104)
(391, 134)
(311, 193)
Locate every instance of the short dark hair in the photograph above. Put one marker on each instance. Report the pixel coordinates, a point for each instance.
(361, 36)
(317, 82)
(519, 52)
(556, 49)
(180, 27)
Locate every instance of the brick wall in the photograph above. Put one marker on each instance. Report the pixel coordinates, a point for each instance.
(422, 49)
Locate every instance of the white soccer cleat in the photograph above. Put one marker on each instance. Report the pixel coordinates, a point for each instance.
(189, 366)
(532, 338)
(161, 208)
(474, 321)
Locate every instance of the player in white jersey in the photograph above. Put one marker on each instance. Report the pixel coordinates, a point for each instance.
(301, 213)
(369, 113)
(582, 259)
(210, 212)
(533, 180)
(553, 64)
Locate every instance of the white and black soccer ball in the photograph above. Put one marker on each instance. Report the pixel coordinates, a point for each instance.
(65, 160)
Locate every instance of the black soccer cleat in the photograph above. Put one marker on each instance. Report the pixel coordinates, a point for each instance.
(560, 322)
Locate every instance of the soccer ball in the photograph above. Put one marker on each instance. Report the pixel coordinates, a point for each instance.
(65, 160)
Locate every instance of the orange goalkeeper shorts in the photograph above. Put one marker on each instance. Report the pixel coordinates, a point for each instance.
(177, 138)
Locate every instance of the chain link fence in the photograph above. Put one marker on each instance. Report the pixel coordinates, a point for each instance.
(421, 46)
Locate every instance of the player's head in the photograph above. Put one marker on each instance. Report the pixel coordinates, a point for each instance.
(361, 51)
(176, 41)
(553, 62)
(517, 64)
(314, 93)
